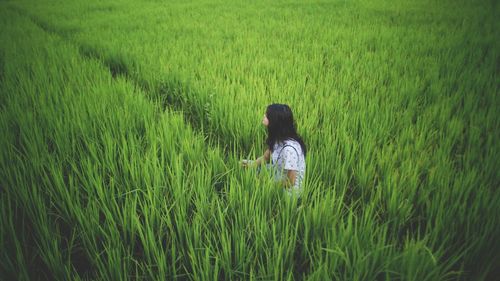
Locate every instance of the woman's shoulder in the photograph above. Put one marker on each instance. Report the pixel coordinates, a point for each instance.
(287, 142)
(294, 143)
(291, 142)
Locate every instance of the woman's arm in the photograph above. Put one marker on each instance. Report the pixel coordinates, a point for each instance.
(291, 176)
(263, 159)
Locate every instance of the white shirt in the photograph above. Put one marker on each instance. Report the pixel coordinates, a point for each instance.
(288, 155)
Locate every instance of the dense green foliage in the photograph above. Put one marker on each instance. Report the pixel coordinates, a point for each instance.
(124, 122)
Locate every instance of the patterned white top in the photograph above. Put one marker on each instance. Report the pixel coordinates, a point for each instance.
(288, 155)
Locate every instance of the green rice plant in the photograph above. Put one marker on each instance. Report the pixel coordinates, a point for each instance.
(126, 121)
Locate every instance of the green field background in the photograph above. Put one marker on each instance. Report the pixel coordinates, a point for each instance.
(123, 123)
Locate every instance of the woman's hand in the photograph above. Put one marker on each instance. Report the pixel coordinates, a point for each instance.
(245, 163)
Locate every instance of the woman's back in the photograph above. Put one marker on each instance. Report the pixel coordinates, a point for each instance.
(288, 155)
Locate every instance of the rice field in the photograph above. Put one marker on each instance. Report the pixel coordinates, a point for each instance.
(124, 122)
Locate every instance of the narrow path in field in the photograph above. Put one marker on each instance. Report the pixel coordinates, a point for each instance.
(163, 93)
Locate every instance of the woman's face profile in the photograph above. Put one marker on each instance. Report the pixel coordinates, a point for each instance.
(265, 121)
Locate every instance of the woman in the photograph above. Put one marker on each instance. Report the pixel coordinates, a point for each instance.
(285, 148)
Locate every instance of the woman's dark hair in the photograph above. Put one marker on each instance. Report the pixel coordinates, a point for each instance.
(281, 126)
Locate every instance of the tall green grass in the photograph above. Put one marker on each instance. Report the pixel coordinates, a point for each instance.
(396, 101)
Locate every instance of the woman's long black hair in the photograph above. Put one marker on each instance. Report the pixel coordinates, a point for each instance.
(281, 126)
